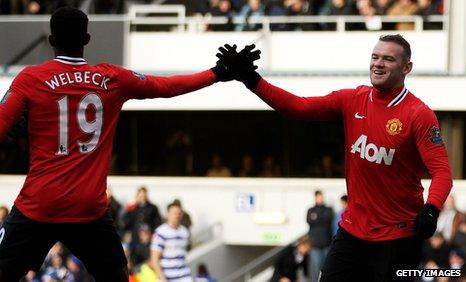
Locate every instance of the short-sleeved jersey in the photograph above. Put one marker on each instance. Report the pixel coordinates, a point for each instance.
(389, 141)
(72, 110)
(173, 244)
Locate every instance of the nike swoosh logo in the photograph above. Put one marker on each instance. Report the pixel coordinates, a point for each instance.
(356, 115)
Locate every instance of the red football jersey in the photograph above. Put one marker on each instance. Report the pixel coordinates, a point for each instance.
(390, 139)
(73, 109)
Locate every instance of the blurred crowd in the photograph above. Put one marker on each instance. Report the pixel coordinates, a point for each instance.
(248, 9)
(445, 250)
(138, 219)
(177, 158)
(136, 222)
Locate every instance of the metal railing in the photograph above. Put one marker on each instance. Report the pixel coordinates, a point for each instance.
(200, 23)
(259, 264)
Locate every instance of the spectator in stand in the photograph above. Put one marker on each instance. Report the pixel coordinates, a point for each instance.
(11, 7)
(217, 169)
(140, 251)
(270, 168)
(141, 212)
(114, 208)
(76, 272)
(382, 6)
(459, 240)
(223, 9)
(365, 8)
(203, 274)
(247, 166)
(320, 218)
(56, 271)
(108, 6)
(336, 220)
(429, 8)
(186, 218)
(403, 8)
(290, 260)
(252, 10)
(449, 219)
(3, 214)
(340, 8)
(31, 276)
(169, 248)
(179, 155)
(436, 251)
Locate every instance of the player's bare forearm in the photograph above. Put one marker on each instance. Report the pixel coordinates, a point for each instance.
(154, 263)
(175, 85)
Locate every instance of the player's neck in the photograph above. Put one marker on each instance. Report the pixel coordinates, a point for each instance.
(387, 94)
(74, 54)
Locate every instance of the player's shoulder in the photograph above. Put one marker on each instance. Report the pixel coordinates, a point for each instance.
(416, 105)
(108, 68)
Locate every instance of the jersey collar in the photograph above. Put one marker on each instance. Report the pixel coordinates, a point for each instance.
(70, 60)
(391, 99)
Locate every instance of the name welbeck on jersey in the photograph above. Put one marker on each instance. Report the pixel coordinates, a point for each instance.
(78, 77)
(371, 152)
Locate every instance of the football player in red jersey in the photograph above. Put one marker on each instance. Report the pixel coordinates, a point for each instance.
(73, 108)
(391, 137)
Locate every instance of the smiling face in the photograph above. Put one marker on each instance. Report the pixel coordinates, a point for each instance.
(389, 66)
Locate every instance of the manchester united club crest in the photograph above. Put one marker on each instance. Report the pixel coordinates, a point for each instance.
(394, 126)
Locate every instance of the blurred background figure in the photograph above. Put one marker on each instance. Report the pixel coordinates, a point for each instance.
(3, 214)
(459, 239)
(217, 169)
(56, 271)
(403, 8)
(185, 218)
(203, 274)
(141, 212)
(115, 209)
(290, 260)
(247, 166)
(320, 219)
(253, 9)
(382, 6)
(270, 168)
(224, 8)
(336, 220)
(169, 247)
(179, 155)
(140, 251)
(436, 252)
(76, 271)
(449, 219)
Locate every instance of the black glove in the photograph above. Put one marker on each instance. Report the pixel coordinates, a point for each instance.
(425, 223)
(241, 65)
(220, 70)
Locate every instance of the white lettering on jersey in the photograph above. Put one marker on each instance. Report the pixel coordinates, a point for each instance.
(2, 234)
(371, 152)
(78, 77)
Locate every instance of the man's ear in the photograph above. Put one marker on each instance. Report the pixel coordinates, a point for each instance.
(408, 68)
(87, 38)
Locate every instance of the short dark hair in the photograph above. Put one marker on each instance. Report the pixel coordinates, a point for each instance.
(68, 26)
(317, 193)
(344, 198)
(398, 39)
(173, 205)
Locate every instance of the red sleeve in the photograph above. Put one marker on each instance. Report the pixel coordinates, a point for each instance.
(317, 108)
(12, 105)
(434, 155)
(138, 86)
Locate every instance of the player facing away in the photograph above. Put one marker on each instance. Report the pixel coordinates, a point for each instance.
(73, 108)
(391, 137)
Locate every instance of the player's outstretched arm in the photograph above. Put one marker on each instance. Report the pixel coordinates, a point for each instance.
(242, 68)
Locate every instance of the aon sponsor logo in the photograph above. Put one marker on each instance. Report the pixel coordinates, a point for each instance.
(371, 152)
